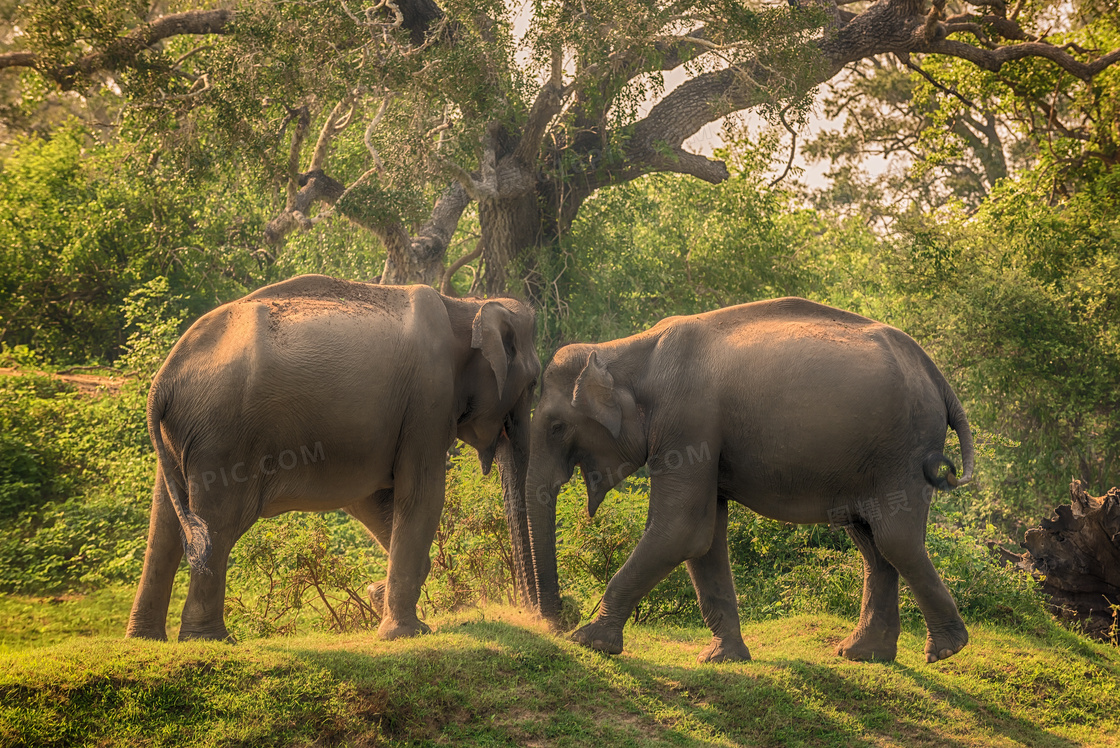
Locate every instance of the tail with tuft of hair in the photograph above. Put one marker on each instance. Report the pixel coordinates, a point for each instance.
(933, 464)
(192, 528)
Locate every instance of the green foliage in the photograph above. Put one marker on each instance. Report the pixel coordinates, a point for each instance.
(76, 476)
(472, 563)
(1019, 304)
(154, 327)
(642, 251)
(288, 572)
(75, 241)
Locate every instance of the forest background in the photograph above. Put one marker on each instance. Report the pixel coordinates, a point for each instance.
(150, 171)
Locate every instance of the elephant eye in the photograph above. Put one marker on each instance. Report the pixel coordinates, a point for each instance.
(556, 428)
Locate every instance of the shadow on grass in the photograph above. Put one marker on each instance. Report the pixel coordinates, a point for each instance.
(504, 684)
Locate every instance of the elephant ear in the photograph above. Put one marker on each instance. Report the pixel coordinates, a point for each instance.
(488, 332)
(594, 395)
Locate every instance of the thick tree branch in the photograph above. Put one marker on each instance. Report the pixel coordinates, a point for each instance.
(547, 105)
(888, 26)
(123, 51)
(993, 59)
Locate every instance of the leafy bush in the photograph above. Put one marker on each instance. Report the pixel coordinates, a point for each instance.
(153, 327)
(75, 477)
(288, 572)
(472, 562)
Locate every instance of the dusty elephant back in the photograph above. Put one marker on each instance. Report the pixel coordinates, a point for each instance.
(297, 369)
(803, 399)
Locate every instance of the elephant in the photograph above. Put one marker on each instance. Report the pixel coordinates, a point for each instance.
(318, 394)
(799, 411)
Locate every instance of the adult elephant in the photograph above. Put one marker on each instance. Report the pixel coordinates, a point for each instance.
(802, 412)
(317, 394)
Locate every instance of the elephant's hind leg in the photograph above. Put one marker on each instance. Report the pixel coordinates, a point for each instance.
(903, 545)
(148, 619)
(223, 511)
(715, 591)
(876, 635)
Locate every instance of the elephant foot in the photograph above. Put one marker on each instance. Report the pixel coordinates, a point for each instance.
(138, 631)
(391, 628)
(725, 650)
(862, 645)
(206, 634)
(600, 637)
(947, 642)
(376, 592)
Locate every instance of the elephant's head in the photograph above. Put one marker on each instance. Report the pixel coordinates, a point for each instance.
(587, 418)
(496, 390)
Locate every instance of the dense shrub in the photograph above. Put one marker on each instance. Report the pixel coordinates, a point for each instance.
(472, 561)
(75, 482)
(295, 571)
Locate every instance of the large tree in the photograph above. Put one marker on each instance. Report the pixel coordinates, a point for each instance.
(400, 114)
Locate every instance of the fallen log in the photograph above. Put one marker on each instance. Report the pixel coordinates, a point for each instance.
(1076, 556)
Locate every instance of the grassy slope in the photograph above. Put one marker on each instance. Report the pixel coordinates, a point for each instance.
(497, 678)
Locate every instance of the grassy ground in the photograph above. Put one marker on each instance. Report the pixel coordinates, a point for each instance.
(496, 677)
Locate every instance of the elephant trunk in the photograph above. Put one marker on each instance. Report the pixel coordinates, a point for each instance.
(542, 529)
(513, 462)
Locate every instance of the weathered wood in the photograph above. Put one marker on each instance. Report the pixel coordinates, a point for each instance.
(1076, 556)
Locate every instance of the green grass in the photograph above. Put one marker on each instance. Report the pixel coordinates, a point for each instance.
(496, 677)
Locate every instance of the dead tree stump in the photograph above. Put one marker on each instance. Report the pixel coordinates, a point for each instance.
(1076, 553)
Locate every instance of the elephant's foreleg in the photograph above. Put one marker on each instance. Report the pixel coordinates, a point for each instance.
(417, 504)
(715, 591)
(375, 512)
(876, 635)
(148, 619)
(904, 547)
(681, 526)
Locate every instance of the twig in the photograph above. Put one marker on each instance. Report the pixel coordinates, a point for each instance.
(905, 60)
(445, 285)
(792, 148)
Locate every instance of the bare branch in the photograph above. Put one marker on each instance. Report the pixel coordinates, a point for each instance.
(445, 285)
(331, 126)
(905, 59)
(304, 122)
(367, 137)
(792, 149)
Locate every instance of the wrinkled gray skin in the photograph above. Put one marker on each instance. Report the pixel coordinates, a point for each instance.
(317, 394)
(802, 412)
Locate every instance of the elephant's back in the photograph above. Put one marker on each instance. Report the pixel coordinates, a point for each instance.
(312, 325)
(291, 357)
(814, 400)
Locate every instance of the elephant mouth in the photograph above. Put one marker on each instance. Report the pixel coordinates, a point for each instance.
(486, 454)
(467, 412)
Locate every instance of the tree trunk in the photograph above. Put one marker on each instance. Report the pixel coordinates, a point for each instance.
(1077, 552)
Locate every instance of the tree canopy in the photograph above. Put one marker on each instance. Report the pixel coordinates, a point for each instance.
(403, 116)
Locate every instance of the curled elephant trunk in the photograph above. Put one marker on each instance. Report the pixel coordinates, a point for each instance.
(542, 529)
(513, 462)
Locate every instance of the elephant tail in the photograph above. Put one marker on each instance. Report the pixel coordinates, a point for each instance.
(958, 421)
(192, 528)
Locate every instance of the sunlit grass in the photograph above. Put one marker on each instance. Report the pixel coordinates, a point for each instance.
(497, 676)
